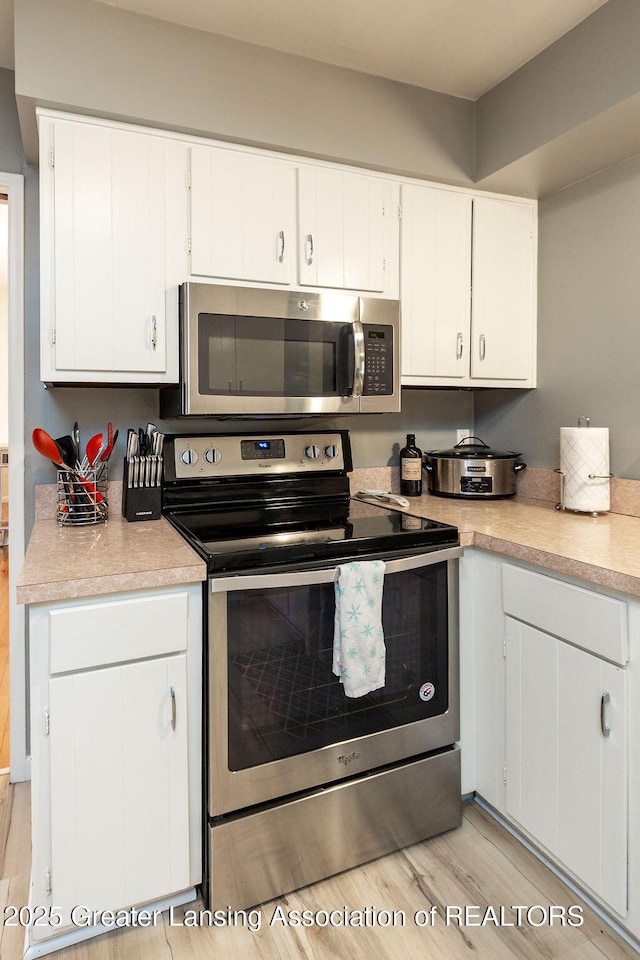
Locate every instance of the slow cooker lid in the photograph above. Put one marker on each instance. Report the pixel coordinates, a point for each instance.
(469, 451)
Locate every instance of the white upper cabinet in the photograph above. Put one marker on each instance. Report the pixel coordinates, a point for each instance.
(347, 231)
(436, 282)
(467, 289)
(110, 258)
(127, 215)
(242, 216)
(503, 294)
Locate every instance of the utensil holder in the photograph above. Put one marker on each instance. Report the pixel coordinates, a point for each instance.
(82, 498)
(141, 497)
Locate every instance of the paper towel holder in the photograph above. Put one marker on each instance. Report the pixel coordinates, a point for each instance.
(582, 422)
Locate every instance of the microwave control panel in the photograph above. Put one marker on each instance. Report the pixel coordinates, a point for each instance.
(378, 360)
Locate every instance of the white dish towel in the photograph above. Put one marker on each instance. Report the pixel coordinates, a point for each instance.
(359, 653)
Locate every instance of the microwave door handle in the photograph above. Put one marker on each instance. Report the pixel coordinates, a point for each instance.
(359, 359)
(346, 360)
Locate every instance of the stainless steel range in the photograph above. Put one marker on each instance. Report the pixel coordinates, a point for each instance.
(303, 780)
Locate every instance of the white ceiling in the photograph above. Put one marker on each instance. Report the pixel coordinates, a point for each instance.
(461, 47)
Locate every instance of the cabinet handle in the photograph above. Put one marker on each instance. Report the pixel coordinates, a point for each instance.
(281, 239)
(154, 332)
(459, 346)
(309, 249)
(174, 717)
(604, 726)
(483, 346)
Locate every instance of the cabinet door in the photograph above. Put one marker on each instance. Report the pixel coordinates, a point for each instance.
(119, 784)
(566, 777)
(435, 282)
(241, 216)
(109, 250)
(341, 229)
(502, 324)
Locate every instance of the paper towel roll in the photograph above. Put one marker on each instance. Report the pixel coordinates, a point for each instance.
(584, 451)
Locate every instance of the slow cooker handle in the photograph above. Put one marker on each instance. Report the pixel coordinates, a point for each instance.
(480, 442)
(517, 467)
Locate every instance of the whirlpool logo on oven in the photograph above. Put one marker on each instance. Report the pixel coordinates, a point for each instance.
(346, 758)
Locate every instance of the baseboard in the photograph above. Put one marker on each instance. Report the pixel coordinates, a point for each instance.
(597, 908)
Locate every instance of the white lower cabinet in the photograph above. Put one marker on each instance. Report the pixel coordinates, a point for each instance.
(566, 756)
(554, 744)
(115, 752)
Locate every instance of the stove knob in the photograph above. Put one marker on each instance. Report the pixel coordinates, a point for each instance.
(331, 451)
(212, 455)
(312, 452)
(189, 456)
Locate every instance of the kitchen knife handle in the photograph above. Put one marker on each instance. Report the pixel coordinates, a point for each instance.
(483, 346)
(281, 252)
(174, 717)
(459, 346)
(604, 726)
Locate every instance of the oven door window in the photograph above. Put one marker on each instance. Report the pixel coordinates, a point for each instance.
(272, 357)
(283, 696)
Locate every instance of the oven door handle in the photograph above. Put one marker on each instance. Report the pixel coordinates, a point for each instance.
(328, 574)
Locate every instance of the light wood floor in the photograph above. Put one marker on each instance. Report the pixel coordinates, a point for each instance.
(4, 658)
(479, 864)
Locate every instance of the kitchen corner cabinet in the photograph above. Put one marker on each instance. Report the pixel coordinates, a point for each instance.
(242, 216)
(115, 739)
(554, 692)
(113, 224)
(467, 289)
(348, 230)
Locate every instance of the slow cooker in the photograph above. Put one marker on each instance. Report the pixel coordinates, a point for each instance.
(472, 470)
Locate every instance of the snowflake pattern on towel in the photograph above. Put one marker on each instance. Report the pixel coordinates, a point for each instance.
(359, 655)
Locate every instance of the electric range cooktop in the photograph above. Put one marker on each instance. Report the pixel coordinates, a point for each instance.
(281, 500)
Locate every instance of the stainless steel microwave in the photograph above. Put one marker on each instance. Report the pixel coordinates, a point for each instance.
(258, 352)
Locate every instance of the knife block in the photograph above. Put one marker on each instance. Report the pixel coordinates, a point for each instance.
(140, 503)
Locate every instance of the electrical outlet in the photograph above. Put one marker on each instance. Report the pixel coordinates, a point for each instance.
(461, 433)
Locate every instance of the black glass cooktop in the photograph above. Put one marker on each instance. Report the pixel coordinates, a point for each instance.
(283, 535)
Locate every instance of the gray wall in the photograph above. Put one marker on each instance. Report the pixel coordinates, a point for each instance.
(123, 65)
(588, 326)
(11, 152)
(588, 71)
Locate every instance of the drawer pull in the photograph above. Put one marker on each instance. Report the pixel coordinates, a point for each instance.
(174, 717)
(605, 700)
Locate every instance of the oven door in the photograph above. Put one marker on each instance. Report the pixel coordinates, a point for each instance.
(278, 719)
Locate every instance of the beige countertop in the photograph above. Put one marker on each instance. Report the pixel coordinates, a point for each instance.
(63, 562)
(66, 562)
(603, 550)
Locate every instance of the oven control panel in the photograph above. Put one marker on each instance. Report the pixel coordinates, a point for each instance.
(207, 457)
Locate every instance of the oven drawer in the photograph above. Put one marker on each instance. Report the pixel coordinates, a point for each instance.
(282, 848)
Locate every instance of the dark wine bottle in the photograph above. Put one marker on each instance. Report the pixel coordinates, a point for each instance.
(411, 468)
